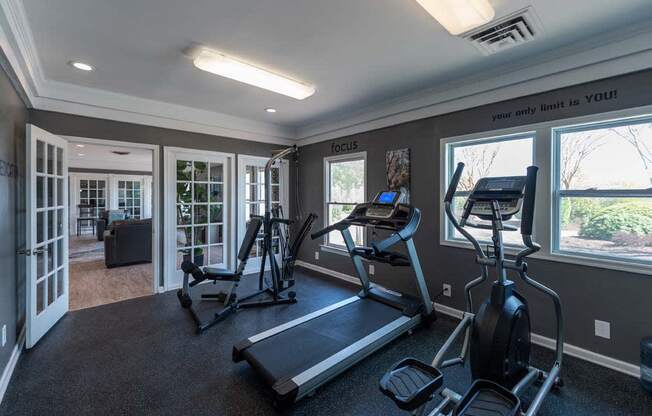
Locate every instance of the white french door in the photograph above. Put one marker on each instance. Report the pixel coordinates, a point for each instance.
(47, 236)
(251, 200)
(200, 217)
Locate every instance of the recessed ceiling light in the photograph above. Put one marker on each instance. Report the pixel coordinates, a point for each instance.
(79, 145)
(80, 154)
(220, 64)
(459, 16)
(81, 65)
(270, 110)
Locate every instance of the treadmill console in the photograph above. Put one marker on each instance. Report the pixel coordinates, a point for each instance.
(506, 190)
(384, 204)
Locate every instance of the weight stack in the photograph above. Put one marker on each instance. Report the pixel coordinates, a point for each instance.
(646, 363)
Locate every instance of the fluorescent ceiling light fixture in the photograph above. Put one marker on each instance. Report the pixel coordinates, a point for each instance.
(80, 154)
(270, 110)
(220, 64)
(81, 65)
(79, 145)
(459, 16)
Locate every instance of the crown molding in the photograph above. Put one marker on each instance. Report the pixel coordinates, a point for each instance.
(602, 57)
(18, 45)
(607, 56)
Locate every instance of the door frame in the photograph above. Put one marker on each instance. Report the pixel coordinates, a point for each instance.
(169, 198)
(254, 267)
(156, 196)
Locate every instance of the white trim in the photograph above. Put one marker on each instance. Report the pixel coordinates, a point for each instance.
(569, 349)
(169, 233)
(243, 160)
(155, 187)
(329, 272)
(334, 250)
(17, 43)
(326, 181)
(543, 157)
(11, 364)
(598, 58)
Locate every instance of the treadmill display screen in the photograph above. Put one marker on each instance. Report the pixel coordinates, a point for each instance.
(387, 197)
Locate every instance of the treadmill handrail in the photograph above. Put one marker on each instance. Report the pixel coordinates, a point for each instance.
(403, 234)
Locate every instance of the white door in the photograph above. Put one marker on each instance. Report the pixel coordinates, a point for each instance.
(200, 217)
(47, 239)
(251, 200)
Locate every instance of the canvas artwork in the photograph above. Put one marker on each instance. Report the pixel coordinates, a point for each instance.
(397, 163)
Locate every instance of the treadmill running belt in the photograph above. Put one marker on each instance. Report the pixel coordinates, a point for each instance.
(297, 349)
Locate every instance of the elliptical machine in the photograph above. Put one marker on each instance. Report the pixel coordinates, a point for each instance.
(497, 337)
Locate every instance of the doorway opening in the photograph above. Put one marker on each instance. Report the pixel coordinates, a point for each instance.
(112, 202)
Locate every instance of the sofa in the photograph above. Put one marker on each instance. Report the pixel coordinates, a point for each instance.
(106, 218)
(128, 242)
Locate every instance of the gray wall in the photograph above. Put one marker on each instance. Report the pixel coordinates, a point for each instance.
(13, 116)
(72, 125)
(587, 293)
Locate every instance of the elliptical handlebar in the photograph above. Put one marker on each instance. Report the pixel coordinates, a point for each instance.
(527, 217)
(448, 200)
(452, 188)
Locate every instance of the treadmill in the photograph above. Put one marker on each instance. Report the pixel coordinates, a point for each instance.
(299, 356)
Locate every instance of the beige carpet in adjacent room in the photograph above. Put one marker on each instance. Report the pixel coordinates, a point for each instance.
(92, 284)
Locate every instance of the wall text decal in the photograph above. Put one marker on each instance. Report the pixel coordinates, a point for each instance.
(557, 105)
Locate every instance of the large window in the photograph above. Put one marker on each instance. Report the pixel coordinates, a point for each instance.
(129, 198)
(344, 188)
(603, 190)
(498, 156)
(92, 196)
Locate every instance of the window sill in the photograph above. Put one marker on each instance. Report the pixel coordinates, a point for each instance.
(334, 250)
(569, 258)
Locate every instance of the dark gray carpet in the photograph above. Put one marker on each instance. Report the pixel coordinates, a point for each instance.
(142, 357)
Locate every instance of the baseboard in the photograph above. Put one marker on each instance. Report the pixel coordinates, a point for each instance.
(11, 365)
(328, 272)
(569, 349)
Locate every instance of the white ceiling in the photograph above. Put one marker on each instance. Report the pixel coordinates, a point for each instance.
(94, 156)
(357, 52)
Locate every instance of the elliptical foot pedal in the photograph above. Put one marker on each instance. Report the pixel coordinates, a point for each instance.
(411, 383)
(486, 398)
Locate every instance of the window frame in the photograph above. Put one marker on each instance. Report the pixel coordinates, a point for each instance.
(543, 221)
(348, 157)
(448, 148)
(558, 194)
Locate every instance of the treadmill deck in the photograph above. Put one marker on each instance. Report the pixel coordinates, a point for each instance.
(295, 350)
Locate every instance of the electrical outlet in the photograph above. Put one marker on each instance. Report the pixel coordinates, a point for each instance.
(4, 334)
(448, 290)
(316, 255)
(602, 329)
(372, 269)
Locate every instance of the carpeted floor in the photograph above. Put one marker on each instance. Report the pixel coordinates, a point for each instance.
(142, 357)
(93, 284)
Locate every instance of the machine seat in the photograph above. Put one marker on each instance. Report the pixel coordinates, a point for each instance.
(214, 273)
(411, 383)
(486, 398)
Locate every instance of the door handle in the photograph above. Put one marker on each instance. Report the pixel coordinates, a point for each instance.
(39, 250)
(24, 251)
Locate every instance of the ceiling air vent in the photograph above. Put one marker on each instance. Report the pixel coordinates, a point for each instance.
(506, 32)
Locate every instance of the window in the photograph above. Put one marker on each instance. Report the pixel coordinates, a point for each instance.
(129, 198)
(498, 156)
(345, 186)
(603, 190)
(255, 200)
(92, 196)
